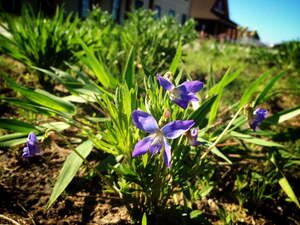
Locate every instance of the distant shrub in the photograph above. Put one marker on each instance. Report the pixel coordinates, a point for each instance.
(156, 40)
(38, 41)
(289, 53)
(286, 55)
(42, 42)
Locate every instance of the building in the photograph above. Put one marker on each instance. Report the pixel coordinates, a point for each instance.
(180, 9)
(47, 6)
(212, 16)
(213, 19)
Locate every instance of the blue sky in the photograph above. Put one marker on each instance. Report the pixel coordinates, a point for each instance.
(275, 20)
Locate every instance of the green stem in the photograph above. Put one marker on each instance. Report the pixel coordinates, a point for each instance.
(222, 134)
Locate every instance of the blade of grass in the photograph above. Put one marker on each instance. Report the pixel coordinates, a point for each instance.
(261, 97)
(252, 89)
(69, 170)
(176, 59)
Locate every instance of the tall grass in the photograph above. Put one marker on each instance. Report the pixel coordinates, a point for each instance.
(42, 42)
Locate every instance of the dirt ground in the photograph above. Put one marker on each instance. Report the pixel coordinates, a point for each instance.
(26, 184)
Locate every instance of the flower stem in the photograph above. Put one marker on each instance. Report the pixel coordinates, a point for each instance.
(222, 134)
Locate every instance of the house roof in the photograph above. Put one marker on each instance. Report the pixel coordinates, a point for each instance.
(204, 9)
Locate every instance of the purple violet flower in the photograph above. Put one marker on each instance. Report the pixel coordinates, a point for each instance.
(192, 136)
(258, 116)
(158, 137)
(32, 147)
(182, 94)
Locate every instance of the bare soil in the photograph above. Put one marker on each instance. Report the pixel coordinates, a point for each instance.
(26, 184)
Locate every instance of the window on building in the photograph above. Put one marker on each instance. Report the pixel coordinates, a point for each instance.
(139, 4)
(220, 6)
(116, 10)
(157, 11)
(84, 9)
(171, 13)
(183, 18)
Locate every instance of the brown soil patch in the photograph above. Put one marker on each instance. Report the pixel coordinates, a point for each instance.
(26, 184)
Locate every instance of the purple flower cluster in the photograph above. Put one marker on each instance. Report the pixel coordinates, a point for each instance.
(258, 116)
(157, 140)
(32, 147)
(182, 94)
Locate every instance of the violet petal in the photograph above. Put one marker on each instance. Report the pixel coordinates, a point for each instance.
(167, 85)
(142, 146)
(32, 138)
(167, 153)
(189, 97)
(25, 152)
(144, 121)
(176, 128)
(254, 125)
(182, 103)
(33, 148)
(191, 86)
(258, 116)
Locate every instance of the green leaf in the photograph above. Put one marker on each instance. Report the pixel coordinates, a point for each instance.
(216, 151)
(205, 191)
(99, 119)
(12, 136)
(252, 88)
(10, 140)
(13, 142)
(96, 65)
(286, 187)
(51, 101)
(200, 114)
(145, 158)
(282, 116)
(17, 125)
(78, 99)
(176, 81)
(102, 145)
(58, 126)
(215, 106)
(69, 170)
(226, 79)
(42, 97)
(195, 213)
(254, 140)
(27, 105)
(78, 83)
(218, 90)
(261, 97)
(176, 59)
(129, 70)
(144, 219)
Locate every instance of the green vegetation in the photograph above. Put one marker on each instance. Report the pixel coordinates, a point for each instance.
(92, 74)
